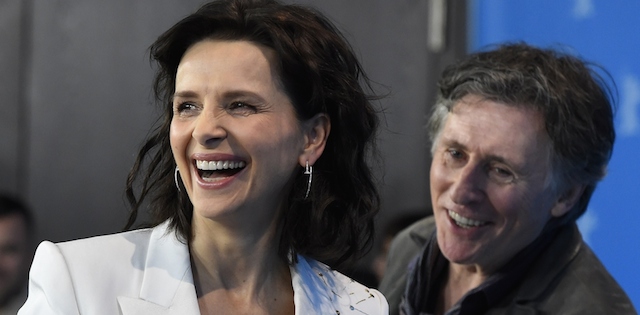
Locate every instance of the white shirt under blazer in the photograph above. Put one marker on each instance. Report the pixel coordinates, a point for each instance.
(148, 271)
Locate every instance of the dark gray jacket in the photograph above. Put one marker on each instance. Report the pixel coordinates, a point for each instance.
(567, 278)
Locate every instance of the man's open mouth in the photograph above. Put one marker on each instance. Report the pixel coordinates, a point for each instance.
(465, 222)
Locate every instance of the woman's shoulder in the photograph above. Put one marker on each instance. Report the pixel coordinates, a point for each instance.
(138, 234)
(330, 288)
(105, 251)
(105, 245)
(91, 275)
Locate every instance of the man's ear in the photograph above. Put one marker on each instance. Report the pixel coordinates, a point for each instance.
(316, 132)
(567, 200)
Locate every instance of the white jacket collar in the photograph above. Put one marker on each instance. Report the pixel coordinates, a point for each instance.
(167, 285)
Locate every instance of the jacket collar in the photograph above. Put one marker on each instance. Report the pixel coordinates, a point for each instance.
(561, 251)
(320, 290)
(167, 285)
(312, 287)
(420, 234)
(552, 261)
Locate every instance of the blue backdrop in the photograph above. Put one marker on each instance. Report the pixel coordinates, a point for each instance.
(606, 32)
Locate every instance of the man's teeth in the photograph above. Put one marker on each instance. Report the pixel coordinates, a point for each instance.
(464, 222)
(219, 165)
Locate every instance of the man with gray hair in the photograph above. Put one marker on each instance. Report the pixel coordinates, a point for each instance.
(520, 138)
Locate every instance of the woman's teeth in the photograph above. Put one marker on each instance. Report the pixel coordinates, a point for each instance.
(464, 222)
(219, 165)
(211, 171)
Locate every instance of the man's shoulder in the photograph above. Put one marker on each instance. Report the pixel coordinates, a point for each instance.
(570, 279)
(410, 241)
(586, 284)
(417, 234)
(405, 247)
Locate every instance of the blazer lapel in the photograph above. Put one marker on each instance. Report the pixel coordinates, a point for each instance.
(184, 303)
(167, 286)
(137, 306)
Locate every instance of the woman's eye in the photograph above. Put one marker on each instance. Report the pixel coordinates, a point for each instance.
(241, 108)
(185, 107)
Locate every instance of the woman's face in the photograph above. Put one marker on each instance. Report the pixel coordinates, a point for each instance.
(234, 134)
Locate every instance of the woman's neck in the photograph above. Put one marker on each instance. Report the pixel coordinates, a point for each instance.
(238, 268)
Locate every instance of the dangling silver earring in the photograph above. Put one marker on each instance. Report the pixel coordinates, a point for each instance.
(175, 179)
(308, 170)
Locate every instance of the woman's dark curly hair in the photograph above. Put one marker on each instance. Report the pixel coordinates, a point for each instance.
(321, 74)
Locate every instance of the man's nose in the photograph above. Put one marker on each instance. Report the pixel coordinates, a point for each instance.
(468, 186)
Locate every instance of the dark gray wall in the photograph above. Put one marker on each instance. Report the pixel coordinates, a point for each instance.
(12, 108)
(76, 85)
(89, 84)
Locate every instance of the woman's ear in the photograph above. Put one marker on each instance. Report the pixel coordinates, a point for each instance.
(567, 200)
(316, 131)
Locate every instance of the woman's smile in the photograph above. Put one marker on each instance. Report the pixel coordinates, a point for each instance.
(216, 170)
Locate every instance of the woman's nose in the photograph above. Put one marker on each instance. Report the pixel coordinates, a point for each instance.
(468, 185)
(209, 129)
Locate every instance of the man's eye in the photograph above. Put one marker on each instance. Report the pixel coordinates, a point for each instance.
(502, 172)
(501, 175)
(454, 158)
(455, 154)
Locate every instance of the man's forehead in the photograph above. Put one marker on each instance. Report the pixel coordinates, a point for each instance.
(502, 131)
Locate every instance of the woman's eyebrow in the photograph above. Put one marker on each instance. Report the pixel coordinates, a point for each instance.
(184, 94)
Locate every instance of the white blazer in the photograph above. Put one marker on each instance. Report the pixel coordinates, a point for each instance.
(148, 271)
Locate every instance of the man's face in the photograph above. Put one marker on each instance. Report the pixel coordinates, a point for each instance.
(490, 182)
(14, 252)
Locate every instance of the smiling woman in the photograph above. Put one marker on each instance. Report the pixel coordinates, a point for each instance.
(237, 113)
(257, 178)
